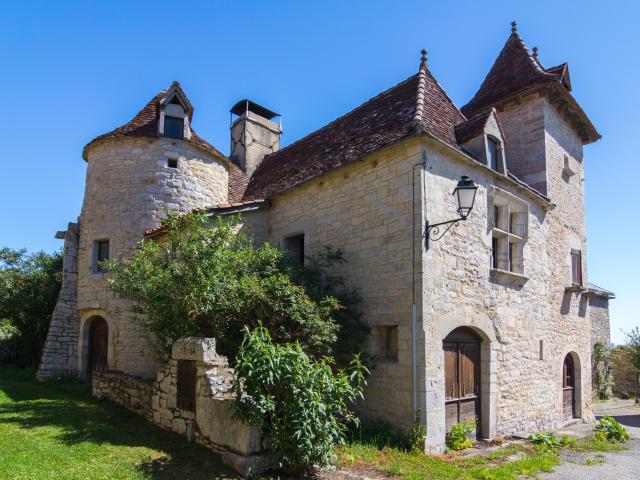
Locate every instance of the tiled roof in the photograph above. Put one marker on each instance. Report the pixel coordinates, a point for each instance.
(516, 71)
(380, 121)
(145, 124)
(473, 127)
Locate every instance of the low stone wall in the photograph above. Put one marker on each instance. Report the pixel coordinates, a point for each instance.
(625, 376)
(127, 390)
(210, 423)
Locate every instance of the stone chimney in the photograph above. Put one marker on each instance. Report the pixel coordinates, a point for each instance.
(254, 135)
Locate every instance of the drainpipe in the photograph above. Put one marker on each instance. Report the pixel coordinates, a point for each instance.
(414, 309)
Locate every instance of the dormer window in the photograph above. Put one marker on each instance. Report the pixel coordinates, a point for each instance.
(493, 153)
(174, 117)
(174, 127)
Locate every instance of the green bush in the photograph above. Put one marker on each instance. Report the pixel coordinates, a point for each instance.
(609, 429)
(209, 280)
(29, 287)
(458, 437)
(301, 404)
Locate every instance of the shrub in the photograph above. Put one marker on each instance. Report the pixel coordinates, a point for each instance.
(209, 280)
(458, 437)
(608, 428)
(301, 404)
(545, 440)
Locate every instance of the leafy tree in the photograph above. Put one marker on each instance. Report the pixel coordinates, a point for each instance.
(301, 404)
(29, 287)
(209, 280)
(633, 343)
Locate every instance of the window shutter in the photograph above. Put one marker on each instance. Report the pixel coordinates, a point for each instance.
(576, 267)
(186, 398)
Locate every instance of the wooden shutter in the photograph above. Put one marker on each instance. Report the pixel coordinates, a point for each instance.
(186, 385)
(576, 267)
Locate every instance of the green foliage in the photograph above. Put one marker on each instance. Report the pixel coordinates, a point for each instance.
(417, 434)
(604, 365)
(633, 342)
(301, 404)
(209, 280)
(29, 287)
(608, 428)
(320, 284)
(545, 440)
(458, 436)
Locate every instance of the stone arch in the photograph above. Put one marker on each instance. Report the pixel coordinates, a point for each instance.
(578, 380)
(83, 339)
(483, 327)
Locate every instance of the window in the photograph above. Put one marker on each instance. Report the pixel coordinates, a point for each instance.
(186, 396)
(576, 267)
(492, 153)
(494, 252)
(509, 232)
(100, 254)
(295, 246)
(173, 127)
(386, 339)
(172, 162)
(541, 350)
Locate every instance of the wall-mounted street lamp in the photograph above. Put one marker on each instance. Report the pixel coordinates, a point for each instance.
(465, 193)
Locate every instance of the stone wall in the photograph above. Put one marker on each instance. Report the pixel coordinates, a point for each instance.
(625, 376)
(366, 209)
(127, 390)
(129, 187)
(211, 422)
(529, 323)
(59, 353)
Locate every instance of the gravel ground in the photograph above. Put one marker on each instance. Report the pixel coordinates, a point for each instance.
(623, 465)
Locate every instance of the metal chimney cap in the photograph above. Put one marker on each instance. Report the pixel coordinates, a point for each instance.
(245, 104)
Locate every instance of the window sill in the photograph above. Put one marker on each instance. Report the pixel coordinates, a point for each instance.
(575, 289)
(504, 275)
(99, 275)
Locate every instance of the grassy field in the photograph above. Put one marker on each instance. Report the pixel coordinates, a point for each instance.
(58, 431)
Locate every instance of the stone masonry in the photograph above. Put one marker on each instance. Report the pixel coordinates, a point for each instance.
(368, 183)
(59, 354)
(210, 423)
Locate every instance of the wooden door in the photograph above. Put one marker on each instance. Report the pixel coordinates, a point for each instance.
(568, 388)
(462, 377)
(98, 345)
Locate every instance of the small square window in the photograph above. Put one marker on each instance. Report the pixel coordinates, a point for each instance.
(173, 127)
(100, 254)
(172, 162)
(386, 342)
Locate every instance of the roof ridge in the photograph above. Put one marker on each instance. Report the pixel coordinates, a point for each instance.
(422, 85)
(341, 116)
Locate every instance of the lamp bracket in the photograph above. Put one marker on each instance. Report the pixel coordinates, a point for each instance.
(432, 231)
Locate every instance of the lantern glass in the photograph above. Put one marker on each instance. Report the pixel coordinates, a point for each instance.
(465, 193)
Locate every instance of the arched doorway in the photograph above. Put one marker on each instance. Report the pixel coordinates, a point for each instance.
(462, 349)
(98, 346)
(569, 388)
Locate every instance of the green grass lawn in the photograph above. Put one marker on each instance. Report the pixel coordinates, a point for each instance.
(57, 430)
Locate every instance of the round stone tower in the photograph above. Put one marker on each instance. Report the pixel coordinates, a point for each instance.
(135, 174)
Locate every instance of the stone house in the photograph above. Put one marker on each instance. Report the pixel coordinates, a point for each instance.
(492, 320)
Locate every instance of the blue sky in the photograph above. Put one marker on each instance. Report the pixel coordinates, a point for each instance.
(73, 70)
